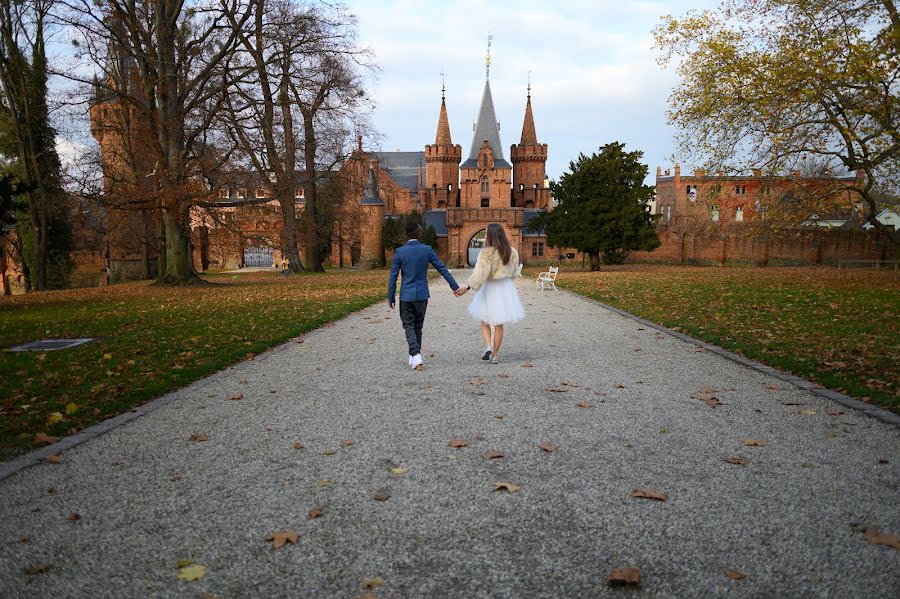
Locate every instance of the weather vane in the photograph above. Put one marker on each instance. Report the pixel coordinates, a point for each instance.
(443, 85)
(529, 83)
(487, 59)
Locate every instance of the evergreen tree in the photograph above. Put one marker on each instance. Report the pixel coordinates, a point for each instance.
(602, 207)
(393, 235)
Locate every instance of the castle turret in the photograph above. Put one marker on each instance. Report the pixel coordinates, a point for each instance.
(529, 160)
(442, 165)
(373, 209)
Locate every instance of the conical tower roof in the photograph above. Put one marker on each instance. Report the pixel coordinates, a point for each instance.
(529, 136)
(443, 129)
(486, 128)
(370, 195)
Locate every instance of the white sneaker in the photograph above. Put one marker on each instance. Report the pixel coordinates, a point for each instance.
(410, 361)
(416, 362)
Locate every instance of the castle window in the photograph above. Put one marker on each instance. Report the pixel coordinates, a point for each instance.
(485, 186)
(715, 213)
(537, 249)
(485, 202)
(739, 214)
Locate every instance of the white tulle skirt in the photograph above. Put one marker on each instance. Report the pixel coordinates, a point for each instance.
(497, 302)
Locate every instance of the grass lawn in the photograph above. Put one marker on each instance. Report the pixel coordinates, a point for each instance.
(840, 328)
(151, 340)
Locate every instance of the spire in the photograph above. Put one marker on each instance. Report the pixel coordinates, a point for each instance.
(529, 136)
(443, 129)
(370, 196)
(486, 128)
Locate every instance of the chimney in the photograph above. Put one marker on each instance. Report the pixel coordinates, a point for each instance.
(677, 170)
(699, 172)
(658, 171)
(757, 173)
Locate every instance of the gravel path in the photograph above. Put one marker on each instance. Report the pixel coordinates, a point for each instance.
(790, 519)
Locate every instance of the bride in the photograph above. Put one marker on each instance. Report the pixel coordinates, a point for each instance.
(496, 301)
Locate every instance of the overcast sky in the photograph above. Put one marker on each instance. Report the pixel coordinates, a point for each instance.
(594, 75)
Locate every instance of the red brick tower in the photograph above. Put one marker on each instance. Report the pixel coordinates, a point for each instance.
(529, 159)
(442, 165)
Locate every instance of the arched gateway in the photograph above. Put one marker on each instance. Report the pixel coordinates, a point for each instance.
(476, 244)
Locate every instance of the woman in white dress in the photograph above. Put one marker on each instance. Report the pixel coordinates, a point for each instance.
(496, 301)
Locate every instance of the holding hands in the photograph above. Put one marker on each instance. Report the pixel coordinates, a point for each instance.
(461, 291)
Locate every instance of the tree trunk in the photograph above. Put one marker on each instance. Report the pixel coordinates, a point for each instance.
(595, 260)
(160, 246)
(289, 234)
(145, 245)
(179, 266)
(314, 254)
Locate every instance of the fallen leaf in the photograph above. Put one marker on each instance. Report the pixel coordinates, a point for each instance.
(620, 386)
(750, 442)
(382, 494)
(71, 408)
(314, 513)
(477, 381)
(37, 569)
(503, 375)
(506, 486)
(73, 517)
(708, 389)
(709, 399)
(492, 455)
(328, 452)
(584, 404)
(498, 416)
(570, 384)
(807, 412)
(792, 403)
(735, 575)
(346, 443)
(373, 583)
(621, 577)
(836, 364)
(281, 537)
(45, 438)
(297, 445)
(643, 493)
(53, 418)
(183, 563)
(325, 482)
(556, 389)
(773, 387)
(548, 447)
(54, 459)
(458, 443)
(399, 471)
(192, 572)
(527, 365)
(199, 437)
(737, 461)
(236, 397)
(880, 538)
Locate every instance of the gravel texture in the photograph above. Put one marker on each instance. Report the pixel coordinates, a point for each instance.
(790, 519)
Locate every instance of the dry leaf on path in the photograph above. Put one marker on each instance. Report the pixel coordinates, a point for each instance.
(880, 538)
(314, 513)
(54, 459)
(565, 384)
(45, 438)
(548, 447)
(37, 569)
(750, 442)
(492, 455)
(527, 365)
(281, 537)
(736, 460)
(399, 471)
(709, 399)
(506, 486)
(557, 389)
(199, 437)
(373, 583)
(792, 403)
(477, 381)
(346, 443)
(73, 517)
(773, 387)
(325, 482)
(297, 445)
(192, 572)
(735, 575)
(621, 577)
(382, 494)
(458, 443)
(705, 389)
(643, 493)
(236, 397)
(328, 452)
(807, 412)
(584, 404)
(503, 375)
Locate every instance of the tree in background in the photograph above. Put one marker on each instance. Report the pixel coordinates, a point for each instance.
(28, 143)
(769, 83)
(393, 235)
(602, 207)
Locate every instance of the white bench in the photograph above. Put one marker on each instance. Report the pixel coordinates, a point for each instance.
(548, 279)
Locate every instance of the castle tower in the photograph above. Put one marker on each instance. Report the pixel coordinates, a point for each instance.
(373, 209)
(529, 160)
(442, 165)
(486, 173)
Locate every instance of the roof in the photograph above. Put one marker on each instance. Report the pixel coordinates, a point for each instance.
(438, 220)
(404, 168)
(487, 128)
(370, 195)
(531, 213)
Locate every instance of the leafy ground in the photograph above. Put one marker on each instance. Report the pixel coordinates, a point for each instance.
(839, 328)
(151, 340)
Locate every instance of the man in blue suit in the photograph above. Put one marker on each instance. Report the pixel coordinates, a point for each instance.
(412, 260)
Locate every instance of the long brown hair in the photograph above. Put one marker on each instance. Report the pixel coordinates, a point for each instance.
(496, 238)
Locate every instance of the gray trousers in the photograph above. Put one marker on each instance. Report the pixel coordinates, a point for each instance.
(412, 316)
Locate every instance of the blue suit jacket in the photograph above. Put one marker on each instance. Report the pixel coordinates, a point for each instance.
(412, 260)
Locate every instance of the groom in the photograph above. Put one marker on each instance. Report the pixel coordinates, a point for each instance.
(412, 260)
